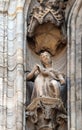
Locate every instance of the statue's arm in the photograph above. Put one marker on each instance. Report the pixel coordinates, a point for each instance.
(31, 75)
(61, 78)
(43, 71)
(46, 72)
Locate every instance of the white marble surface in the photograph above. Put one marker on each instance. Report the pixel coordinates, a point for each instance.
(13, 52)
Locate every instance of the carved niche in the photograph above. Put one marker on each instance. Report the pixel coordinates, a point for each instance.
(46, 32)
(46, 27)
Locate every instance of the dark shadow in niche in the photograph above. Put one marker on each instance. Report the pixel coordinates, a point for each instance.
(29, 90)
(47, 37)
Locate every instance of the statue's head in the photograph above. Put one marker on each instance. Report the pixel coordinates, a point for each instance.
(45, 58)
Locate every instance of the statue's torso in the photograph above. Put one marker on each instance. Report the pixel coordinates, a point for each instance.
(42, 85)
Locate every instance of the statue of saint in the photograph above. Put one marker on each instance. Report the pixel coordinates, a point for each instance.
(47, 81)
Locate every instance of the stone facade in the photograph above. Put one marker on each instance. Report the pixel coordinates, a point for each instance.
(14, 63)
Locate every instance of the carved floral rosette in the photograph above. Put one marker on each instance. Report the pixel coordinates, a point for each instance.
(46, 113)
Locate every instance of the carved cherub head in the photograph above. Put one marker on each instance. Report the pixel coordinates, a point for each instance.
(45, 58)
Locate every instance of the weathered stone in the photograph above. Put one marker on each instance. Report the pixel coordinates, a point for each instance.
(16, 58)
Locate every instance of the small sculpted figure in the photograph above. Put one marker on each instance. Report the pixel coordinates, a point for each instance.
(47, 81)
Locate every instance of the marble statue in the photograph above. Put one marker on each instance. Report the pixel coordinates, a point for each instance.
(46, 36)
(46, 110)
(47, 81)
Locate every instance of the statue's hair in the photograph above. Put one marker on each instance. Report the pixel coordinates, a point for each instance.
(43, 51)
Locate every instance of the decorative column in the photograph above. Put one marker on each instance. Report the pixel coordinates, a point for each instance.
(3, 63)
(74, 66)
(15, 88)
(12, 65)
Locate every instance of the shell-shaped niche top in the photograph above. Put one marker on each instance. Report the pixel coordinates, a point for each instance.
(46, 26)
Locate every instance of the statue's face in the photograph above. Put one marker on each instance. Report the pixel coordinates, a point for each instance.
(45, 58)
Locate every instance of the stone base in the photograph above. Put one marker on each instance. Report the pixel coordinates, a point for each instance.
(46, 113)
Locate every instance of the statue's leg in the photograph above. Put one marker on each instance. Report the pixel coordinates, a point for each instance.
(54, 86)
(38, 90)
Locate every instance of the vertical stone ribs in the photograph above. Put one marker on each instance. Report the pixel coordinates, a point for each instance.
(75, 66)
(3, 62)
(15, 95)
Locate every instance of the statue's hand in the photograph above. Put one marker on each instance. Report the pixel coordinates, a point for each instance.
(62, 79)
(32, 73)
(62, 82)
(35, 68)
(38, 67)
